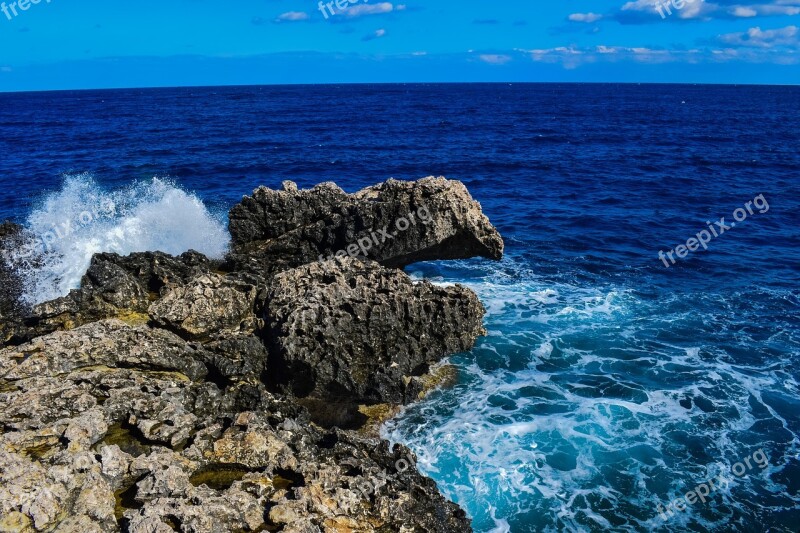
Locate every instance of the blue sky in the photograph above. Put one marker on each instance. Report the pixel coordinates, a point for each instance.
(74, 44)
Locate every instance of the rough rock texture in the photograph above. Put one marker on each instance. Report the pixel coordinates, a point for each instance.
(157, 272)
(10, 238)
(113, 287)
(107, 343)
(108, 427)
(10, 285)
(287, 228)
(178, 394)
(347, 329)
(206, 306)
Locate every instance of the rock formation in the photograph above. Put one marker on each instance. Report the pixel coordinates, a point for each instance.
(347, 330)
(395, 223)
(180, 394)
(11, 308)
(113, 287)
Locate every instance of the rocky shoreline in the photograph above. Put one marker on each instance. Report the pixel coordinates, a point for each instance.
(187, 394)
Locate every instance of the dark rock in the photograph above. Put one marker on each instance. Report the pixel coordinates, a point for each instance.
(10, 284)
(345, 329)
(113, 287)
(398, 223)
(107, 287)
(158, 273)
(237, 358)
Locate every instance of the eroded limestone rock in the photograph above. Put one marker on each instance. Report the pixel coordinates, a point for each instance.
(346, 329)
(205, 306)
(405, 222)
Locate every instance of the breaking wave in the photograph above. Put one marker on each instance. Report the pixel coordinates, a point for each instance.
(67, 227)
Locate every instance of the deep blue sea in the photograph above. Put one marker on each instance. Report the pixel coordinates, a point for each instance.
(609, 384)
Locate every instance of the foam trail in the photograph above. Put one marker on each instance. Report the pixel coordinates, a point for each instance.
(69, 226)
(586, 407)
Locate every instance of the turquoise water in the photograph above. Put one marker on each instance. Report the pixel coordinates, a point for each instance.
(586, 407)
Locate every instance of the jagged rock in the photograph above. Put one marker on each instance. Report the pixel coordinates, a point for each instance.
(106, 291)
(10, 288)
(159, 273)
(395, 223)
(302, 478)
(354, 330)
(237, 358)
(109, 343)
(143, 450)
(10, 284)
(151, 399)
(113, 287)
(106, 288)
(108, 427)
(206, 305)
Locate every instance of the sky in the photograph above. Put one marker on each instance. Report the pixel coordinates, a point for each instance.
(84, 44)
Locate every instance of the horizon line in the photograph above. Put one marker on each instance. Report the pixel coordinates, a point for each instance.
(326, 84)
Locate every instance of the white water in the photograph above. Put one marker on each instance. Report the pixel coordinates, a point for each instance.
(570, 414)
(67, 227)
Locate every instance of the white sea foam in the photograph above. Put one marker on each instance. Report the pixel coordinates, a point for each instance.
(567, 413)
(67, 227)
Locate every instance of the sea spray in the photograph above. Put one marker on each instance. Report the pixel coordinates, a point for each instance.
(67, 227)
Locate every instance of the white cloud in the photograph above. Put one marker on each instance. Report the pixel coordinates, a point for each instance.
(377, 34)
(651, 11)
(742, 11)
(293, 16)
(788, 37)
(373, 9)
(751, 47)
(645, 6)
(570, 57)
(788, 8)
(700, 9)
(495, 59)
(691, 9)
(585, 17)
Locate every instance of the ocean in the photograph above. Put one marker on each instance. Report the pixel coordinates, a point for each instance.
(639, 346)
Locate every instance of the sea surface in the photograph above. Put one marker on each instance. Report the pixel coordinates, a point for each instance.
(609, 383)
